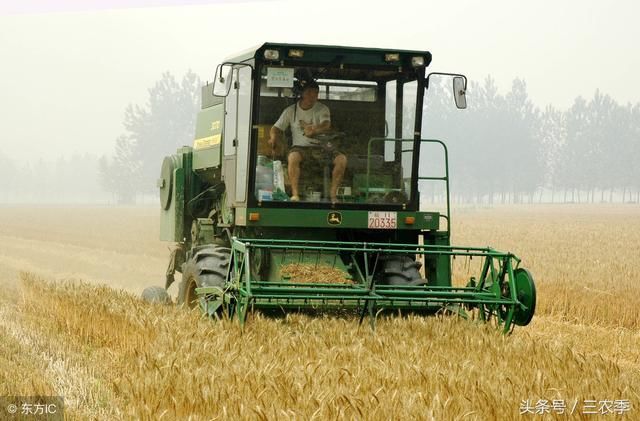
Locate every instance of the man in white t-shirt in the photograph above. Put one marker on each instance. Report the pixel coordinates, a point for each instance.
(307, 118)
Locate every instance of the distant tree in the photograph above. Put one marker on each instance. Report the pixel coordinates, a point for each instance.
(441, 121)
(505, 145)
(153, 131)
(523, 162)
(464, 132)
(8, 177)
(501, 148)
(121, 176)
(106, 180)
(485, 137)
(166, 123)
(574, 152)
(629, 152)
(552, 139)
(86, 180)
(494, 146)
(603, 133)
(595, 155)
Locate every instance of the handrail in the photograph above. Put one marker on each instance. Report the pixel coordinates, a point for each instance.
(446, 166)
(445, 178)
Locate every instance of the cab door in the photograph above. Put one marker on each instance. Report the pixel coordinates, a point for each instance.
(237, 124)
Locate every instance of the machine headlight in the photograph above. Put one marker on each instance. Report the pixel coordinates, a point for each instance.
(296, 53)
(417, 61)
(390, 57)
(271, 54)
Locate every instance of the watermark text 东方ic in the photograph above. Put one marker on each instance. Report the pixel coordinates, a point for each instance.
(50, 408)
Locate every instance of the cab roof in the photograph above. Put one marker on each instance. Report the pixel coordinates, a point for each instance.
(326, 53)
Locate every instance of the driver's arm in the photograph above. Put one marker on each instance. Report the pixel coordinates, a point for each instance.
(311, 130)
(275, 134)
(277, 130)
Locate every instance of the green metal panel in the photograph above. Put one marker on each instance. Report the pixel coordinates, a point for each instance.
(438, 266)
(208, 99)
(172, 219)
(206, 158)
(326, 218)
(209, 126)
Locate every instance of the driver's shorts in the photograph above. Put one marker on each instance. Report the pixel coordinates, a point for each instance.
(314, 152)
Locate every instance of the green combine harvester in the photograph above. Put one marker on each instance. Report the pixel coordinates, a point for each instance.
(248, 238)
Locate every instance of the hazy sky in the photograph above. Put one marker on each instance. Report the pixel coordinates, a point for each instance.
(67, 72)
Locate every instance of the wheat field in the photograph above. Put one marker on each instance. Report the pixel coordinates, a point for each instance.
(71, 324)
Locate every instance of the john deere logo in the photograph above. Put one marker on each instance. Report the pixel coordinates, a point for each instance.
(334, 218)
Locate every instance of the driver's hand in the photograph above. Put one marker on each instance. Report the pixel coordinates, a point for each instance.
(307, 129)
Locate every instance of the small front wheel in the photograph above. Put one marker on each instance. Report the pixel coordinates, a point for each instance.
(157, 295)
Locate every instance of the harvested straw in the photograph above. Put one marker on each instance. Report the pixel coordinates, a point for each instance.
(314, 273)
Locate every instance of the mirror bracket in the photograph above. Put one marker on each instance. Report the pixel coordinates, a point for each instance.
(221, 85)
(459, 87)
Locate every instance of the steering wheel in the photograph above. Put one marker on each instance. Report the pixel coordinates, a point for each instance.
(328, 141)
(329, 136)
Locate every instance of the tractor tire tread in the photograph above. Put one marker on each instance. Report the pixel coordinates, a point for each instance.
(402, 270)
(208, 267)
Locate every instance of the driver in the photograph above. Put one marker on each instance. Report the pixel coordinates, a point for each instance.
(307, 118)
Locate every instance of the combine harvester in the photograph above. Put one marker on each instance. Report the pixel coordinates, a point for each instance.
(242, 242)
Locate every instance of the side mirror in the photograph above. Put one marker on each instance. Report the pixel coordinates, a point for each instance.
(459, 92)
(222, 81)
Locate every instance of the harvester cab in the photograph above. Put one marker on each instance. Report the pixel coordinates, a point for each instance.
(355, 238)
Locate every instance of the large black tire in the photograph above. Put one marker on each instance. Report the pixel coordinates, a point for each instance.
(401, 270)
(207, 268)
(157, 295)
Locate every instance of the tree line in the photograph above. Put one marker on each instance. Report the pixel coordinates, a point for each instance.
(165, 123)
(71, 179)
(502, 149)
